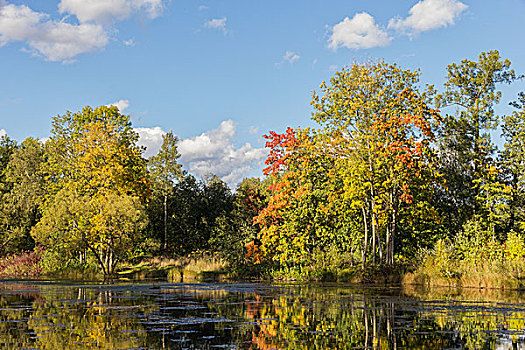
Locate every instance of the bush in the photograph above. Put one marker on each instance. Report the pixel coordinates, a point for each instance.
(514, 246)
(25, 264)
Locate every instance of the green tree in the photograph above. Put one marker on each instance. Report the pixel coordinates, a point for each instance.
(466, 150)
(165, 173)
(233, 231)
(513, 159)
(19, 208)
(7, 147)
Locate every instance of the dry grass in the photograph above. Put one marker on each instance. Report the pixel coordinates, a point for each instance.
(501, 275)
(189, 268)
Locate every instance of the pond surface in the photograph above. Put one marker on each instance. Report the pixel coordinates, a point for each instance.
(55, 315)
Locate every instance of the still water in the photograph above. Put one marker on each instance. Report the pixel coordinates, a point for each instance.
(58, 315)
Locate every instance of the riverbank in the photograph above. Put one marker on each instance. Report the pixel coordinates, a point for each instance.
(430, 273)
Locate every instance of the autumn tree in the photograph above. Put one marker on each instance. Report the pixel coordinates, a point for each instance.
(381, 127)
(96, 186)
(299, 223)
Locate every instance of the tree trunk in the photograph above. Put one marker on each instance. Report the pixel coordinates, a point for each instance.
(365, 243)
(380, 248)
(393, 231)
(165, 222)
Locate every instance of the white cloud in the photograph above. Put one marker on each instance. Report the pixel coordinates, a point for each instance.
(216, 23)
(428, 15)
(59, 41)
(130, 42)
(56, 41)
(101, 11)
(151, 138)
(2, 132)
(291, 56)
(253, 130)
(213, 152)
(18, 22)
(62, 41)
(122, 105)
(106, 12)
(360, 32)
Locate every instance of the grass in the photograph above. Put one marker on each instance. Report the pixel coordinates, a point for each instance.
(197, 267)
(504, 275)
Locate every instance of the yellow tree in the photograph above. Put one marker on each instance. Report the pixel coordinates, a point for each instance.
(96, 187)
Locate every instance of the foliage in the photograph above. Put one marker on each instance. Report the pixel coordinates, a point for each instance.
(514, 247)
(385, 178)
(96, 185)
(352, 182)
(24, 185)
(234, 234)
(465, 145)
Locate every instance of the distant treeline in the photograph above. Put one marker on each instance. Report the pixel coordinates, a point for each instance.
(394, 174)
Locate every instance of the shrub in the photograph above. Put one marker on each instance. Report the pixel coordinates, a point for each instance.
(25, 264)
(514, 246)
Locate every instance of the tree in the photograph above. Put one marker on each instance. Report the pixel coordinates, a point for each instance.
(166, 172)
(513, 159)
(96, 185)
(380, 127)
(465, 147)
(234, 230)
(7, 147)
(19, 208)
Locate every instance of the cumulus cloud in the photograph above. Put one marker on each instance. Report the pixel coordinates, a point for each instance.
(106, 12)
(428, 15)
(56, 41)
(213, 152)
(151, 139)
(360, 32)
(60, 40)
(2, 132)
(122, 105)
(216, 23)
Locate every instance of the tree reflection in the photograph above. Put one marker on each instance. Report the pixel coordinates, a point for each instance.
(285, 317)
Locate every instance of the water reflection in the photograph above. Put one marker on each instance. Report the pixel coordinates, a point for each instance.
(52, 315)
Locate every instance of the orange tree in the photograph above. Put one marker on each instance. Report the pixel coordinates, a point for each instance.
(382, 128)
(299, 221)
(350, 185)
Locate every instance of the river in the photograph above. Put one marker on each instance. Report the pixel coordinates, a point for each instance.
(37, 314)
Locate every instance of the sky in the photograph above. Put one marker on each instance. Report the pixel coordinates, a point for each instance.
(220, 74)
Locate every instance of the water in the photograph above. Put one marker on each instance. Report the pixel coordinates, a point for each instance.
(55, 315)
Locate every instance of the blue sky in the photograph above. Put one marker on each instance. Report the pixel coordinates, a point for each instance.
(222, 73)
